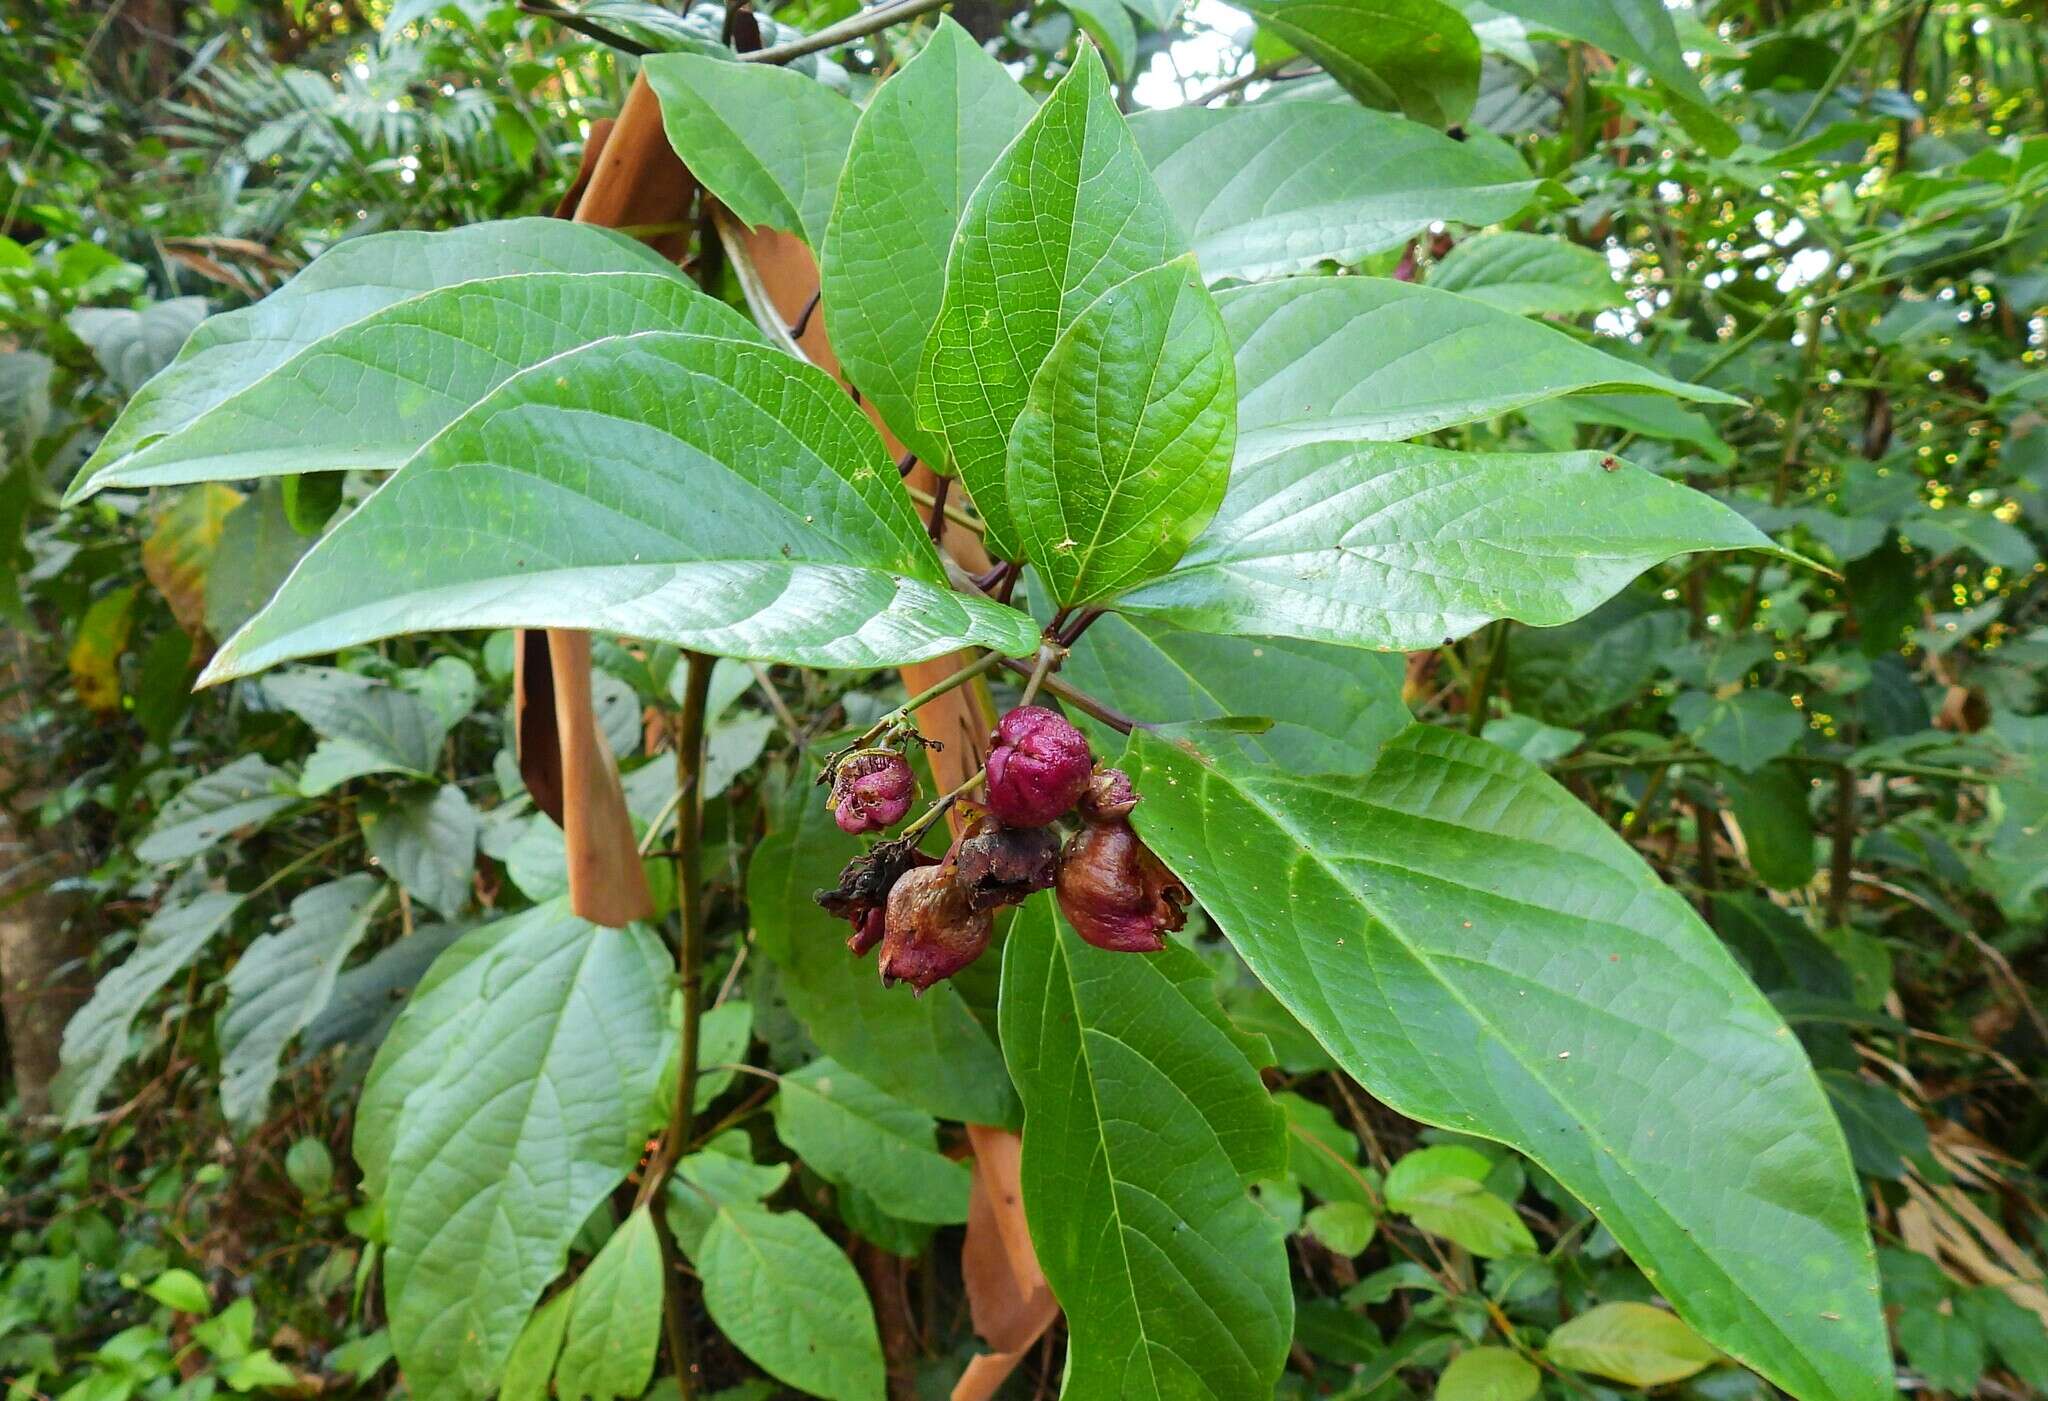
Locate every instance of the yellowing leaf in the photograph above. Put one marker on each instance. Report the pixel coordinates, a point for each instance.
(179, 551)
(1635, 1344)
(96, 650)
(1488, 1374)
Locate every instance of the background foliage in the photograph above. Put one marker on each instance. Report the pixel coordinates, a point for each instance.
(1833, 217)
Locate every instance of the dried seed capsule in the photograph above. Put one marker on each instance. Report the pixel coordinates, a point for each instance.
(1115, 892)
(1038, 764)
(863, 890)
(931, 933)
(999, 865)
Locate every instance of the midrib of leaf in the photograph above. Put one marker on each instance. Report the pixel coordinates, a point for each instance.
(1307, 845)
(1117, 1184)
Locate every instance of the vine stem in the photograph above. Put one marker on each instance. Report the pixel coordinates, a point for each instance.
(903, 713)
(1081, 700)
(690, 968)
(854, 27)
(1049, 655)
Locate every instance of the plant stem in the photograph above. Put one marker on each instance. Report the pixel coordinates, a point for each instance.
(690, 968)
(939, 809)
(952, 513)
(854, 27)
(902, 713)
(1481, 694)
(1048, 658)
(1081, 700)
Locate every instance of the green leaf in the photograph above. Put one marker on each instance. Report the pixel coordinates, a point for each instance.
(1443, 1190)
(245, 793)
(723, 1033)
(96, 1037)
(358, 276)
(1344, 1227)
(1631, 1343)
(1403, 547)
(532, 1361)
(1331, 707)
(1416, 57)
(856, 1135)
(281, 982)
(133, 345)
(928, 1051)
(1322, 1155)
(419, 1045)
(1374, 360)
(1122, 451)
(581, 494)
(1771, 808)
(1065, 213)
(1143, 1127)
(369, 394)
(615, 1323)
(1744, 731)
(365, 726)
(259, 1371)
(180, 1290)
(785, 1296)
(2013, 1329)
(310, 1168)
(923, 143)
(258, 547)
(767, 142)
(1274, 188)
(539, 1108)
(1944, 1347)
(1640, 32)
(1528, 274)
(723, 1173)
(426, 839)
(1454, 897)
(1489, 1374)
(1108, 23)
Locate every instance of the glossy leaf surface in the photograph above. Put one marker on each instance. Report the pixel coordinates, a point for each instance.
(1456, 897)
(1276, 188)
(1371, 359)
(921, 147)
(1401, 547)
(1065, 213)
(1122, 450)
(706, 492)
(1143, 1127)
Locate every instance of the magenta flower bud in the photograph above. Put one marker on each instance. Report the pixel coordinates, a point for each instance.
(1038, 765)
(1000, 865)
(932, 933)
(1116, 893)
(871, 789)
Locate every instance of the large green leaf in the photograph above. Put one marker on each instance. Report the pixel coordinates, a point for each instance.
(230, 352)
(426, 839)
(1400, 547)
(767, 142)
(615, 1323)
(923, 143)
(1641, 32)
(1280, 187)
(1122, 451)
(857, 1135)
(539, 1108)
(928, 1051)
(784, 1295)
(365, 726)
(1143, 1127)
(96, 1037)
(246, 793)
(1065, 213)
(418, 1046)
(1483, 954)
(369, 394)
(1331, 707)
(1528, 273)
(1368, 358)
(282, 981)
(688, 489)
(1416, 57)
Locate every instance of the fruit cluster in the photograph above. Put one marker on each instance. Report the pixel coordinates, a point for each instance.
(934, 917)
